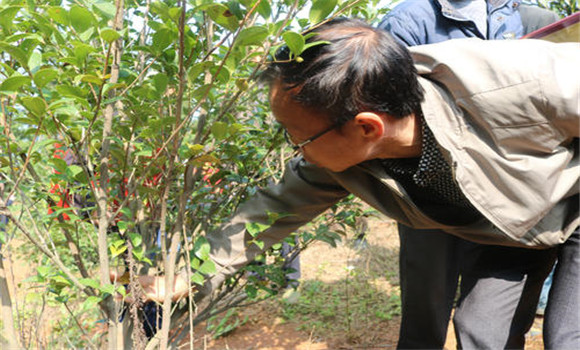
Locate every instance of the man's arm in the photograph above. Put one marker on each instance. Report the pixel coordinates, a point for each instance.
(304, 192)
(534, 17)
(403, 27)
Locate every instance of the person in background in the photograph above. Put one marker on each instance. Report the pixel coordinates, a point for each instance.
(432, 261)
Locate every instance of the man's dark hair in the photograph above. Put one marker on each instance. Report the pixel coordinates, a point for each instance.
(357, 68)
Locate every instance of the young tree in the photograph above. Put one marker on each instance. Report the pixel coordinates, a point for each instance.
(131, 129)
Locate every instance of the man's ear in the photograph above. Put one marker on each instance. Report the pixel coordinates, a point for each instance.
(371, 124)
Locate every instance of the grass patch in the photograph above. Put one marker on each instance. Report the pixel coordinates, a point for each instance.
(353, 307)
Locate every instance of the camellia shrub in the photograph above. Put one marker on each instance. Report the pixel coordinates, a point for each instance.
(130, 130)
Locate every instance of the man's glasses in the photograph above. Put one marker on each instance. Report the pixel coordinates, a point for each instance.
(299, 146)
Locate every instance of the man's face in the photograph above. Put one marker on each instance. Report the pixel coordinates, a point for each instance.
(335, 150)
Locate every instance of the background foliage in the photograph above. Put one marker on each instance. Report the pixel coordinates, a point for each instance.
(129, 131)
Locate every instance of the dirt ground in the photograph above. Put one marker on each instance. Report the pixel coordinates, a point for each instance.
(267, 330)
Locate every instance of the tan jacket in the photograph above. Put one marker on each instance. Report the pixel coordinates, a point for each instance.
(505, 113)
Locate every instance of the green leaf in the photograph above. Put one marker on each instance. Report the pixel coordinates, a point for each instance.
(70, 91)
(198, 278)
(43, 271)
(106, 9)
(251, 291)
(222, 16)
(198, 69)
(59, 15)
(264, 9)
(174, 13)
(223, 76)
(73, 170)
(88, 282)
(117, 247)
(219, 130)
(82, 50)
(136, 239)
(44, 76)
(16, 53)
(259, 244)
(61, 281)
(255, 228)
(201, 248)
(294, 41)
(14, 83)
(7, 16)
(107, 289)
(160, 9)
(59, 164)
(81, 19)
(252, 36)
(91, 302)
(87, 34)
(201, 92)
(162, 39)
(140, 255)
(160, 82)
(88, 78)
(321, 9)
(193, 150)
(110, 35)
(207, 268)
(34, 105)
(35, 60)
(9, 70)
(320, 42)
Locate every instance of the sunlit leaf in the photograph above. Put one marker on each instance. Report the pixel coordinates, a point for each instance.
(88, 78)
(80, 18)
(201, 92)
(252, 36)
(82, 50)
(201, 248)
(162, 39)
(197, 69)
(70, 91)
(16, 53)
(294, 41)
(160, 82)
(222, 16)
(59, 15)
(34, 105)
(207, 268)
(7, 16)
(264, 9)
(174, 13)
(35, 60)
(321, 9)
(219, 130)
(106, 9)
(254, 228)
(198, 278)
(110, 35)
(14, 83)
(136, 239)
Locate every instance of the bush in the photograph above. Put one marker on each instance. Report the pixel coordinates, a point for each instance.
(129, 131)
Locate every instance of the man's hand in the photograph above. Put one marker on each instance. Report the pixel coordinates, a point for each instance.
(153, 287)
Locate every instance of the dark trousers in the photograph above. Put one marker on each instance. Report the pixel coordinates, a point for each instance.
(562, 317)
(499, 289)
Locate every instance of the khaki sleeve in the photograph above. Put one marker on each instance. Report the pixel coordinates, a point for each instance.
(304, 192)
